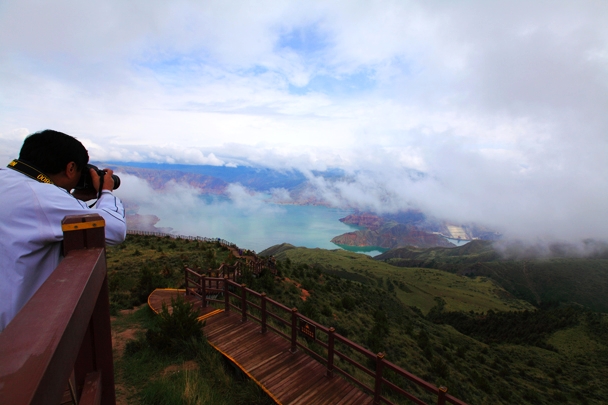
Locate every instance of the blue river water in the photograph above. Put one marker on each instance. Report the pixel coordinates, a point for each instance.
(263, 225)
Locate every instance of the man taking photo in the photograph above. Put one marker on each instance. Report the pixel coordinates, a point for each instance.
(36, 196)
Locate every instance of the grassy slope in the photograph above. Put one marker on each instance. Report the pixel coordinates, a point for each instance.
(352, 293)
(414, 286)
(200, 377)
(476, 372)
(144, 263)
(541, 281)
(584, 281)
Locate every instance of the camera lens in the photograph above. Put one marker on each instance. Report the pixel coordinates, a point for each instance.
(116, 181)
(86, 182)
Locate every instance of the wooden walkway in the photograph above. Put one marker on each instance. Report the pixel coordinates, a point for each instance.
(287, 378)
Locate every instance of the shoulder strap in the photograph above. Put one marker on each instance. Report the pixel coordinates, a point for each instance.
(29, 171)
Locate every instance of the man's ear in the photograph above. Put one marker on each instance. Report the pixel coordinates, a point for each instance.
(71, 171)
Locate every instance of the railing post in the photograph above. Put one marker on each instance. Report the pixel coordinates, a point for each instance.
(203, 283)
(186, 278)
(95, 354)
(82, 232)
(243, 303)
(263, 305)
(294, 330)
(226, 296)
(378, 386)
(441, 395)
(330, 352)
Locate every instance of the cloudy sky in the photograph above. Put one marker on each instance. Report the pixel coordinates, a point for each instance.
(502, 104)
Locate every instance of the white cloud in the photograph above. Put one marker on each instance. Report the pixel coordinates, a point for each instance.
(501, 103)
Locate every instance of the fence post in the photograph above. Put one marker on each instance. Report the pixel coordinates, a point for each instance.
(330, 352)
(294, 330)
(82, 232)
(244, 302)
(203, 283)
(378, 386)
(226, 296)
(263, 305)
(441, 395)
(186, 279)
(95, 353)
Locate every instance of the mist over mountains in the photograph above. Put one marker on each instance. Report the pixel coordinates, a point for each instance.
(384, 220)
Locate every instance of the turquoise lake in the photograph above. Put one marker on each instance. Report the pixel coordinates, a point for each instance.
(260, 225)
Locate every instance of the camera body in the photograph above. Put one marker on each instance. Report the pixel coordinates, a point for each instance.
(86, 181)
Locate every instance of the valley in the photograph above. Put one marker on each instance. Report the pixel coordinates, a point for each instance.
(480, 335)
(275, 192)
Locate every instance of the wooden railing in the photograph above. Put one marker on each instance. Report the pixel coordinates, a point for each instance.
(255, 263)
(64, 329)
(378, 377)
(221, 241)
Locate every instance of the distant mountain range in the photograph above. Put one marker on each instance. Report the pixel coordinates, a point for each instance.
(211, 179)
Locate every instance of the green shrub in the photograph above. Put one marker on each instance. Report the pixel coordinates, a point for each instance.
(148, 281)
(176, 330)
(348, 303)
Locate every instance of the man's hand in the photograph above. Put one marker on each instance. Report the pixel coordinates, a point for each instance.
(108, 184)
(108, 181)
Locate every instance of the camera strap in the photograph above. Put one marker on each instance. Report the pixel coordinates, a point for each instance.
(29, 171)
(99, 192)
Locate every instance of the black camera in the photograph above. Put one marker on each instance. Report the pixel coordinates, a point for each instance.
(86, 181)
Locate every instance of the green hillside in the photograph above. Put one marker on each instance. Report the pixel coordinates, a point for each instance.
(545, 281)
(466, 333)
(413, 286)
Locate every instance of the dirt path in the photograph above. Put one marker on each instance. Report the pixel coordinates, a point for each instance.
(119, 342)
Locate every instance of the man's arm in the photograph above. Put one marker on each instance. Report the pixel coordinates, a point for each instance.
(110, 208)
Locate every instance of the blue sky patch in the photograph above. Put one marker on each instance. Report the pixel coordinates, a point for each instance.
(355, 83)
(307, 40)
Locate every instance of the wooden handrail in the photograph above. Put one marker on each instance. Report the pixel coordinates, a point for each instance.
(64, 327)
(292, 321)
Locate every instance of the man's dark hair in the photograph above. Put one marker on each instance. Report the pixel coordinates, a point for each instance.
(50, 151)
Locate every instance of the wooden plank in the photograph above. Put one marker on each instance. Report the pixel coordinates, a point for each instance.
(324, 389)
(215, 324)
(334, 394)
(232, 337)
(291, 392)
(219, 331)
(246, 348)
(301, 384)
(235, 341)
(266, 370)
(269, 359)
(258, 357)
(350, 398)
(272, 374)
(292, 388)
(253, 358)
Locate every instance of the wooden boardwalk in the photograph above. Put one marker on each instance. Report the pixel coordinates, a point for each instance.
(288, 378)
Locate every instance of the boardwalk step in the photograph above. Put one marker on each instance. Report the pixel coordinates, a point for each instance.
(210, 314)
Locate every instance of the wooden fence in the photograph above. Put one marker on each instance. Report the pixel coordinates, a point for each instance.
(64, 329)
(221, 241)
(379, 376)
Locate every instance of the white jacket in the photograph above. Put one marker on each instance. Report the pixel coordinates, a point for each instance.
(30, 234)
